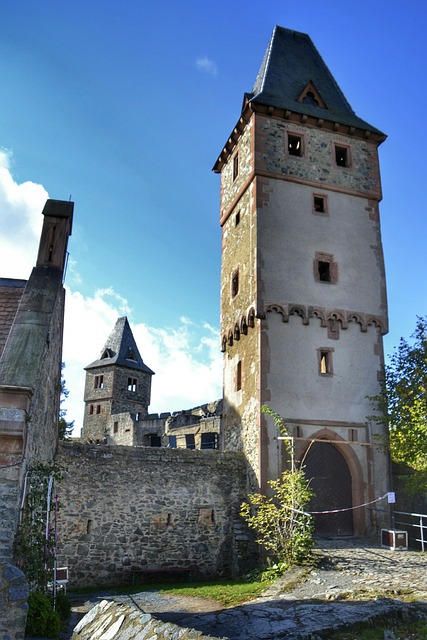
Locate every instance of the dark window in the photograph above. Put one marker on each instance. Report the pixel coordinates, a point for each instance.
(239, 376)
(342, 156)
(237, 218)
(116, 427)
(132, 384)
(235, 284)
(98, 408)
(325, 362)
(294, 145)
(235, 166)
(172, 442)
(131, 355)
(99, 382)
(189, 441)
(91, 409)
(155, 441)
(208, 441)
(324, 271)
(319, 204)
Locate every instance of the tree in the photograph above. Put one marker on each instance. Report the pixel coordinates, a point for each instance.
(403, 402)
(65, 429)
(281, 522)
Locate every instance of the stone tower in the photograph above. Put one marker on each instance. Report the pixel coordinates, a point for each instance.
(117, 390)
(303, 293)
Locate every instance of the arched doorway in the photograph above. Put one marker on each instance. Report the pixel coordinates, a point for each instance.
(330, 479)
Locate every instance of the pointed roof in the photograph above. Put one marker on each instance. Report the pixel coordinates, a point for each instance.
(120, 349)
(290, 64)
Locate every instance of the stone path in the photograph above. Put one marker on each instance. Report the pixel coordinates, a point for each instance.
(354, 582)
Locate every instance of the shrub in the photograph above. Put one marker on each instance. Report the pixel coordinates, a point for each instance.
(42, 620)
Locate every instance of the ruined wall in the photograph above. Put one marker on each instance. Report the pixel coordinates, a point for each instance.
(126, 509)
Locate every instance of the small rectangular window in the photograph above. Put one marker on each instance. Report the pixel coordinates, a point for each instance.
(98, 409)
(208, 441)
(342, 156)
(294, 144)
(320, 204)
(239, 376)
(235, 284)
(325, 269)
(189, 441)
(325, 362)
(132, 384)
(99, 382)
(172, 442)
(237, 218)
(91, 410)
(155, 441)
(116, 427)
(235, 166)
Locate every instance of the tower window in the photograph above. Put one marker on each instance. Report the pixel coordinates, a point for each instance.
(91, 410)
(235, 166)
(235, 284)
(116, 427)
(342, 156)
(132, 384)
(239, 376)
(99, 382)
(325, 362)
(319, 204)
(98, 409)
(237, 218)
(294, 145)
(325, 269)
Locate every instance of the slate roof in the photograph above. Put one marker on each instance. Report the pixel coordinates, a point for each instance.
(290, 63)
(120, 349)
(11, 291)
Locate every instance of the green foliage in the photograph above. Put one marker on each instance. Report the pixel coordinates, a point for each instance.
(65, 429)
(42, 620)
(34, 551)
(403, 403)
(281, 523)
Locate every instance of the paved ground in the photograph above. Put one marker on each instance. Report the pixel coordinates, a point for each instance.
(354, 582)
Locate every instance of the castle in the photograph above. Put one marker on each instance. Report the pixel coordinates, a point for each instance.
(303, 312)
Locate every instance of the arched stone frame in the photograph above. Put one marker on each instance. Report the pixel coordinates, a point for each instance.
(358, 482)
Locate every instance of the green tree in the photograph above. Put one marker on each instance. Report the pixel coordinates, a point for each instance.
(65, 429)
(282, 525)
(403, 402)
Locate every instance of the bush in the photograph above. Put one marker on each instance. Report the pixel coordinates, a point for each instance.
(42, 620)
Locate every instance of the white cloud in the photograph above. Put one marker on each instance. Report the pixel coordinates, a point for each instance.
(186, 359)
(207, 65)
(20, 222)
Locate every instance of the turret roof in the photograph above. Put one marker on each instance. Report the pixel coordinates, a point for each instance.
(290, 63)
(120, 349)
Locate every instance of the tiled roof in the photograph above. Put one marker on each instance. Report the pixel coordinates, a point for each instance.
(11, 291)
(290, 63)
(121, 350)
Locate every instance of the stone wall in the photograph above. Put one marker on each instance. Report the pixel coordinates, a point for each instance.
(126, 509)
(13, 602)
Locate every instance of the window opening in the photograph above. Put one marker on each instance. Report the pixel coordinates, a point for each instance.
(324, 269)
(342, 156)
(132, 384)
(107, 354)
(91, 410)
(208, 441)
(99, 382)
(89, 526)
(116, 427)
(169, 519)
(239, 376)
(237, 218)
(325, 362)
(189, 441)
(131, 355)
(172, 442)
(294, 145)
(235, 166)
(155, 441)
(235, 284)
(98, 408)
(319, 204)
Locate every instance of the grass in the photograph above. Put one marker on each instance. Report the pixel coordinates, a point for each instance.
(227, 593)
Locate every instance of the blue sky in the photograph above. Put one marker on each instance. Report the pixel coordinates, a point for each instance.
(125, 106)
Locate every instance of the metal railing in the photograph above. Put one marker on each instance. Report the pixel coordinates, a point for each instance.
(410, 522)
